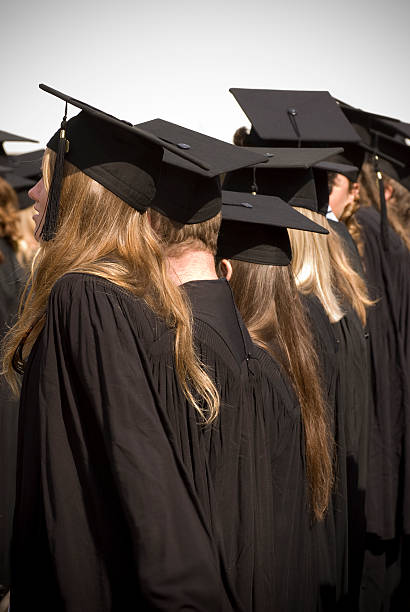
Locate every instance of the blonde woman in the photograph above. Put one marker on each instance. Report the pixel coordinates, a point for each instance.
(108, 513)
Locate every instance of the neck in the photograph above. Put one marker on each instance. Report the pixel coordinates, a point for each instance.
(191, 265)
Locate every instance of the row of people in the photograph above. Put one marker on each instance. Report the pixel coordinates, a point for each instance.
(188, 442)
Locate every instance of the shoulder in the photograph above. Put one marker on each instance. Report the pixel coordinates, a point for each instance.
(88, 296)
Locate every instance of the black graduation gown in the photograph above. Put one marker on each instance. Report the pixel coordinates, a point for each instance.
(335, 528)
(106, 516)
(124, 501)
(10, 287)
(388, 279)
(353, 397)
(388, 482)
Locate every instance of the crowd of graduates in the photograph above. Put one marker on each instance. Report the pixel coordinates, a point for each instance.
(205, 385)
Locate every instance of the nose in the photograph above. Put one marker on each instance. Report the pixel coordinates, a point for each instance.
(33, 192)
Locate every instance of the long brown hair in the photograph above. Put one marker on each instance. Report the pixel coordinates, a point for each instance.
(100, 234)
(9, 222)
(269, 303)
(398, 206)
(322, 267)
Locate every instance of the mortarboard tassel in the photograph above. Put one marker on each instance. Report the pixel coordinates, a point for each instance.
(384, 228)
(292, 112)
(50, 224)
(254, 186)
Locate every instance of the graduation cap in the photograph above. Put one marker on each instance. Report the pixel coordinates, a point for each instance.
(303, 118)
(384, 139)
(26, 164)
(254, 228)
(387, 125)
(125, 159)
(288, 174)
(337, 164)
(19, 184)
(190, 193)
(8, 137)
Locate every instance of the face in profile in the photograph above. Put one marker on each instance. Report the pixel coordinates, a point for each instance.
(342, 193)
(39, 194)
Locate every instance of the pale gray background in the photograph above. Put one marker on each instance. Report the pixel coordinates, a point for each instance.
(140, 59)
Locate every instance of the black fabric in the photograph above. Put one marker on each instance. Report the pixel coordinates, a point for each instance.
(190, 193)
(295, 116)
(334, 532)
(11, 279)
(25, 164)
(342, 165)
(388, 280)
(206, 156)
(123, 162)
(124, 500)
(185, 196)
(260, 244)
(295, 186)
(353, 401)
(260, 209)
(322, 190)
(291, 157)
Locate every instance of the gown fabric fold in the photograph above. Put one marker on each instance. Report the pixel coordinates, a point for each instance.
(125, 499)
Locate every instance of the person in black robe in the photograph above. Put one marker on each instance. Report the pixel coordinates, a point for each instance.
(255, 255)
(11, 281)
(388, 488)
(126, 498)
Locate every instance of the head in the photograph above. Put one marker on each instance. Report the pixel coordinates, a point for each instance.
(270, 306)
(342, 193)
(397, 199)
(9, 225)
(39, 194)
(98, 233)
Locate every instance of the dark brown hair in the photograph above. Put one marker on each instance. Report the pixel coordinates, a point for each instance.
(398, 206)
(348, 216)
(269, 303)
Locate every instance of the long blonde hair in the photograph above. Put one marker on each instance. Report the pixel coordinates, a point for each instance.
(321, 267)
(269, 303)
(100, 234)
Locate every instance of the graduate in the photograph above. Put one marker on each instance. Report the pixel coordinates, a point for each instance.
(256, 253)
(11, 283)
(336, 295)
(381, 243)
(117, 406)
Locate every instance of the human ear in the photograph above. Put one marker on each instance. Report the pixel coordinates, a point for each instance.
(388, 192)
(226, 268)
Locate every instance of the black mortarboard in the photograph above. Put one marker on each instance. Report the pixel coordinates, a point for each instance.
(126, 160)
(379, 136)
(337, 164)
(20, 184)
(26, 164)
(295, 117)
(8, 137)
(288, 175)
(254, 228)
(387, 125)
(190, 193)
(393, 157)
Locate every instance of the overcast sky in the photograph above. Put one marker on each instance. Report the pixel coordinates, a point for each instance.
(177, 59)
